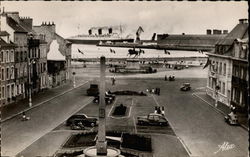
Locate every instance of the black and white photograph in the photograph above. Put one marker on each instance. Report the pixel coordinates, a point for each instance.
(124, 79)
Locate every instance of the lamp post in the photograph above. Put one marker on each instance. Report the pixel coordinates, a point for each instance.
(30, 62)
(74, 79)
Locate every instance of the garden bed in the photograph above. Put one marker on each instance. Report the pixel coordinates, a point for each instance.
(120, 110)
(130, 141)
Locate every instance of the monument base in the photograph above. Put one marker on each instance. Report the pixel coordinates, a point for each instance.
(92, 152)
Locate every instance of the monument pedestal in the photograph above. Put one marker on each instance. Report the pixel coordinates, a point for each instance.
(92, 152)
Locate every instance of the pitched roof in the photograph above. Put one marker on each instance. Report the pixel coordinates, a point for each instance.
(14, 25)
(4, 44)
(67, 41)
(4, 33)
(240, 31)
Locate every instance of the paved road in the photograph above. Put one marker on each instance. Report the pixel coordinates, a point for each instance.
(17, 134)
(201, 129)
(199, 126)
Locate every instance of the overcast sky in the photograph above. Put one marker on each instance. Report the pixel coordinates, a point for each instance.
(73, 18)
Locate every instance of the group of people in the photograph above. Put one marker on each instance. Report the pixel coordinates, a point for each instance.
(154, 90)
(170, 78)
(159, 110)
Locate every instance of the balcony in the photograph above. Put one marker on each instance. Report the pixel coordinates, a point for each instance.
(236, 81)
(213, 74)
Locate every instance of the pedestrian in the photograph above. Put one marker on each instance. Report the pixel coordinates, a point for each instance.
(113, 80)
(159, 110)
(162, 110)
(166, 78)
(159, 90)
(156, 109)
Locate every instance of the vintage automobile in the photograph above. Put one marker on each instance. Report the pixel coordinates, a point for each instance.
(83, 118)
(108, 100)
(93, 90)
(152, 119)
(185, 87)
(231, 119)
(77, 125)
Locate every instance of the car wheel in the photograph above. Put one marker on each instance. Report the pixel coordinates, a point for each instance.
(92, 124)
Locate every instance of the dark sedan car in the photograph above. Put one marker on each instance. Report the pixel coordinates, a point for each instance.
(93, 90)
(84, 119)
(152, 119)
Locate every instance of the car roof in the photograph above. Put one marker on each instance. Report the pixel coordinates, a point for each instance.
(155, 114)
(79, 114)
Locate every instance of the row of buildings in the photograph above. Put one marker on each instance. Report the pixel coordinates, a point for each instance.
(32, 58)
(228, 79)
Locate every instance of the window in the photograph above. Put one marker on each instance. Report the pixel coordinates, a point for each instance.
(223, 88)
(8, 91)
(7, 56)
(12, 90)
(3, 92)
(12, 55)
(220, 68)
(224, 69)
(220, 86)
(7, 73)
(3, 74)
(12, 75)
(21, 56)
(17, 89)
(1, 56)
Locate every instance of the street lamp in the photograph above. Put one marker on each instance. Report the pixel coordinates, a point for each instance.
(74, 79)
(217, 88)
(30, 62)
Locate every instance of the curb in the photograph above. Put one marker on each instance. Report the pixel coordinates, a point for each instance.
(217, 110)
(34, 106)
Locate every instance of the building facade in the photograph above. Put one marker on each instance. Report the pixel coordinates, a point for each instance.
(7, 75)
(228, 68)
(240, 77)
(18, 35)
(48, 32)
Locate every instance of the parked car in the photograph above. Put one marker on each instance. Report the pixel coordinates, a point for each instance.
(83, 118)
(152, 119)
(231, 119)
(110, 95)
(93, 90)
(108, 100)
(185, 87)
(77, 125)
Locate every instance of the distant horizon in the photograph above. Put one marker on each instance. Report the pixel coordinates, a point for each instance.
(165, 17)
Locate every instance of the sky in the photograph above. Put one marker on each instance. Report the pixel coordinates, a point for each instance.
(72, 17)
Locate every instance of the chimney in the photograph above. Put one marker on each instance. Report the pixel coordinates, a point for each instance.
(243, 21)
(27, 21)
(225, 31)
(209, 31)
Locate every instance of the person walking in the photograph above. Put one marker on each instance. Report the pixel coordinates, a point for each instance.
(162, 110)
(113, 80)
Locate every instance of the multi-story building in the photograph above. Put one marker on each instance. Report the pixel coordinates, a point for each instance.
(7, 75)
(220, 73)
(30, 54)
(48, 32)
(18, 35)
(240, 78)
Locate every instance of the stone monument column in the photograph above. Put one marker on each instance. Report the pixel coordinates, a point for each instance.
(101, 141)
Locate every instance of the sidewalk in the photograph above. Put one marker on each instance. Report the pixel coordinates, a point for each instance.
(14, 109)
(223, 109)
